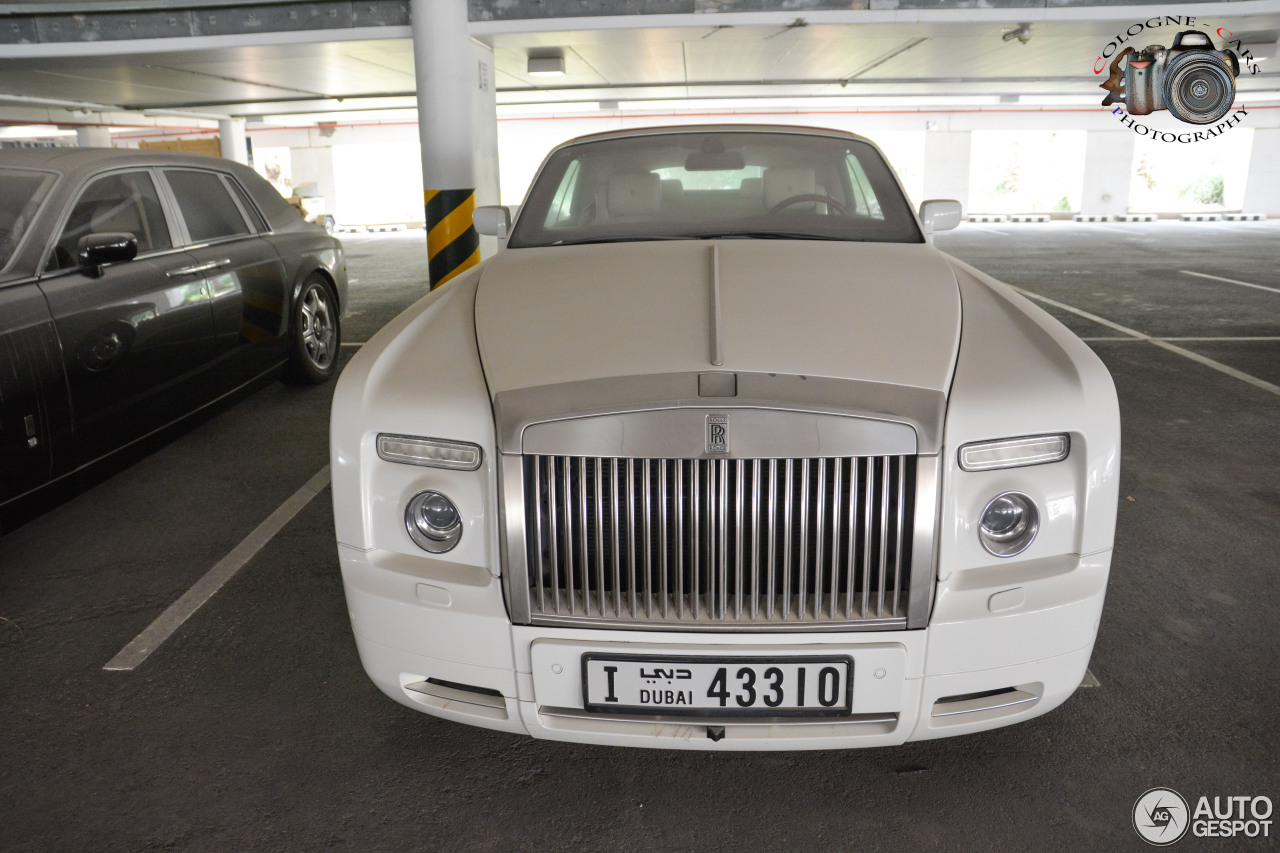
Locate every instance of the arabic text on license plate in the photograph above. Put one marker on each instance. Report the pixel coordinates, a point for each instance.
(717, 687)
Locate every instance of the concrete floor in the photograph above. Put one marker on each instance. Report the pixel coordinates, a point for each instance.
(254, 727)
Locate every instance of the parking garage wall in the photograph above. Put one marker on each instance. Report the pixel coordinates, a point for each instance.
(906, 135)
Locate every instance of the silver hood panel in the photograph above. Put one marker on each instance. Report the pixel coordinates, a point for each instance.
(872, 312)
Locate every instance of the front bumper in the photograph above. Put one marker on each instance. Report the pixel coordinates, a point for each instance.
(435, 636)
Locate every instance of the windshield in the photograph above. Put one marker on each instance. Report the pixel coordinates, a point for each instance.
(721, 184)
(21, 192)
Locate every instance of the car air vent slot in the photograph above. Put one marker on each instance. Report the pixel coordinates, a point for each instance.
(720, 543)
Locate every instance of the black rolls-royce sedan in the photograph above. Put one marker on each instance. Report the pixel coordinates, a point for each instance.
(138, 287)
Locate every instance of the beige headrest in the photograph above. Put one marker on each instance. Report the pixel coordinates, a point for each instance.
(783, 182)
(635, 194)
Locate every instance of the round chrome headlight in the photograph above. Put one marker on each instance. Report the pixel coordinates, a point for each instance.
(1009, 524)
(433, 522)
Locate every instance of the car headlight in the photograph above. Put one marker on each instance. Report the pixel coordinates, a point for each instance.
(1014, 452)
(1009, 524)
(433, 522)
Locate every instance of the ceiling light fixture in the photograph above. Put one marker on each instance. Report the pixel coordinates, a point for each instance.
(544, 63)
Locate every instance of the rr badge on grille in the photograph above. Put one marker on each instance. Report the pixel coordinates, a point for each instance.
(717, 433)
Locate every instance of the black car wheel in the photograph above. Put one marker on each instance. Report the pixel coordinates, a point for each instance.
(316, 334)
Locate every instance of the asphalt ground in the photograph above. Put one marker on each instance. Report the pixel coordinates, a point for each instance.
(253, 726)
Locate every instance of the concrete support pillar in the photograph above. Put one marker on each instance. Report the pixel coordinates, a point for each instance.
(1108, 170)
(946, 165)
(93, 137)
(1262, 189)
(457, 126)
(235, 143)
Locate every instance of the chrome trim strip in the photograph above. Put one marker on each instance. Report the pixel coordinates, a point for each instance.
(688, 722)
(923, 539)
(585, 568)
(804, 537)
(835, 539)
(850, 570)
(879, 404)
(897, 563)
(866, 541)
(972, 706)
(679, 511)
(600, 587)
(511, 544)
(738, 541)
(773, 535)
(793, 626)
(755, 538)
(717, 354)
(883, 569)
(788, 502)
(617, 543)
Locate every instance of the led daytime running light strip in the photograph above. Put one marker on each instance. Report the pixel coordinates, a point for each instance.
(1014, 452)
(429, 452)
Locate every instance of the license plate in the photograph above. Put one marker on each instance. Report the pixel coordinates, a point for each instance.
(718, 686)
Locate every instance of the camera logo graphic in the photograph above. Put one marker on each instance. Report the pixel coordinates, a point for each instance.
(1161, 816)
(1192, 80)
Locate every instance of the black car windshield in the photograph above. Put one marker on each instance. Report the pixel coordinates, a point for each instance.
(715, 184)
(21, 192)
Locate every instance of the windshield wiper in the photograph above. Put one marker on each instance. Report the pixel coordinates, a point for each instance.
(773, 235)
(631, 238)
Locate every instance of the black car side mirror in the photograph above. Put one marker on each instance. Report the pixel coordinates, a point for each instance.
(98, 249)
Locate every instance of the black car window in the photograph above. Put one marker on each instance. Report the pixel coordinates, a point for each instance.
(120, 201)
(250, 208)
(22, 193)
(208, 208)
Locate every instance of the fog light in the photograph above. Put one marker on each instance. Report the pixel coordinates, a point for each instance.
(1009, 524)
(433, 522)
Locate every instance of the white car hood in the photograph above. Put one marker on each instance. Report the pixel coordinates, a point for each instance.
(877, 312)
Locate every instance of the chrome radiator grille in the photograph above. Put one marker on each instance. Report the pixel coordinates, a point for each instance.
(719, 542)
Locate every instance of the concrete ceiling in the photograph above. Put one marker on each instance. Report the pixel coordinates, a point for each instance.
(782, 59)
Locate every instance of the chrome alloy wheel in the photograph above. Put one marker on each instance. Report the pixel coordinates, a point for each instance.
(317, 326)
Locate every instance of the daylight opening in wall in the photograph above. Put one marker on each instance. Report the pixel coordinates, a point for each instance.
(378, 184)
(1208, 175)
(1026, 171)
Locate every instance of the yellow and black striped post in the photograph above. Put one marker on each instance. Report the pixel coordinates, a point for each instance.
(452, 242)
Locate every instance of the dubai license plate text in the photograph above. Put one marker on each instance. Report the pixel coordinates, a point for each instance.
(718, 687)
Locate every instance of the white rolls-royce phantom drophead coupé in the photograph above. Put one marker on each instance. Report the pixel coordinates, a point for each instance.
(719, 452)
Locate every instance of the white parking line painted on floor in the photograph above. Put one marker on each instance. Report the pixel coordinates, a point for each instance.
(1201, 339)
(1090, 680)
(352, 344)
(141, 647)
(1163, 344)
(1231, 281)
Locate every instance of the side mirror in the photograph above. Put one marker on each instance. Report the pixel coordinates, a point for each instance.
(492, 220)
(98, 249)
(939, 214)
